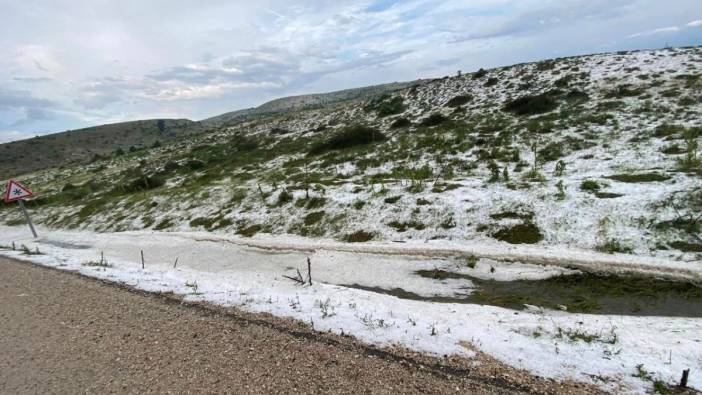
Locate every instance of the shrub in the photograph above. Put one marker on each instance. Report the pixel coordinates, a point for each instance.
(479, 74)
(459, 100)
(590, 186)
(434, 119)
(250, 230)
(392, 199)
(195, 164)
(284, 197)
(531, 105)
(527, 233)
(551, 152)
(390, 107)
(313, 218)
(353, 136)
(492, 81)
(358, 237)
(144, 183)
(400, 123)
(612, 246)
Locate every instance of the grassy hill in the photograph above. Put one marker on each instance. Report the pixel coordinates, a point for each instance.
(303, 102)
(596, 152)
(83, 145)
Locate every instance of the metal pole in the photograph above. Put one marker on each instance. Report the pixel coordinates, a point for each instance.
(29, 220)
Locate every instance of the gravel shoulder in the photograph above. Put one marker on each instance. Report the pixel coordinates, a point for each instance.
(64, 333)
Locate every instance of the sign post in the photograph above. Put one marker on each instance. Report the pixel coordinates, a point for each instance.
(17, 192)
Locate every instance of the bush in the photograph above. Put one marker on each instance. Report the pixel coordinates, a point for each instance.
(250, 230)
(531, 105)
(392, 199)
(527, 233)
(350, 137)
(479, 74)
(313, 218)
(284, 198)
(459, 101)
(612, 246)
(590, 186)
(358, 237)
(144, 183)
(400, 123)
(390, 107)
(434, 119)
(551, 152)
(492, 81)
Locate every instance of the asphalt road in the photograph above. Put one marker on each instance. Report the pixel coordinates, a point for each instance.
(63, 333)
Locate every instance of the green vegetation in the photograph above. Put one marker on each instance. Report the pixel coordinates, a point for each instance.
(313, 218)
(459, 100)
(641, 177)
(249, 231)
(591, 186)
(358, 135)
(526, 233)
(358, 237)
(531, 105)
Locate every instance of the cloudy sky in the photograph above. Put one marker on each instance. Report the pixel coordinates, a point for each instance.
(68, 64)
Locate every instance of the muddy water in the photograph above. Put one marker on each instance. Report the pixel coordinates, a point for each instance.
(581, 293)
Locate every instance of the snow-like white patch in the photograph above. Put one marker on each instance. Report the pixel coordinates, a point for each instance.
(249, 274)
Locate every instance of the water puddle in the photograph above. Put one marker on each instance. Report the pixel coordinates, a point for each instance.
(578, 293)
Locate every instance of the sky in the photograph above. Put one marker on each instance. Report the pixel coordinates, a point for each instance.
(70, 64)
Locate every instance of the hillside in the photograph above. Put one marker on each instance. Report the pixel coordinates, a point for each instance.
(83, 145)
(597, 152)
(297, 103)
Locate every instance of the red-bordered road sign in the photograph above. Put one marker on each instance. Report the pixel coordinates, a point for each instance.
(16, 191)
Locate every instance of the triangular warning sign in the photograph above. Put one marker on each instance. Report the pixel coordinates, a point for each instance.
(16, 191)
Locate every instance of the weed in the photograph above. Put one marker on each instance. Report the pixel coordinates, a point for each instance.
(193, 285)
(325, 308)
(561, 194)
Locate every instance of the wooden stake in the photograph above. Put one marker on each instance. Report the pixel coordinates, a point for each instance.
(26, 215)
(309, 271)
(176, 263)
(142, 259)
(685, 376)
